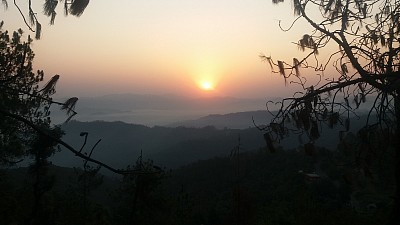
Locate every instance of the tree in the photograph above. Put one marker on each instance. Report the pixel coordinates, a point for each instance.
(23, 96)
(75, 206)
(41, 149)
(138, 196)
(73, 7)
(363, 38)
(25, 104)
(26, 128)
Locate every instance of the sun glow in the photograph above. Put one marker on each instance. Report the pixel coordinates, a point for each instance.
(207, 86)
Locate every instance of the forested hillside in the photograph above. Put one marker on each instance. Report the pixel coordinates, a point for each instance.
(255, 187)
(122, 143)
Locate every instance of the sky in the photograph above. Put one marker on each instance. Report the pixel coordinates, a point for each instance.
(179, 47)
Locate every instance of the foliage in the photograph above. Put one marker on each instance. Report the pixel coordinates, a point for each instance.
(76, 205)
(367, 63)
(41, 149)
(23, 96)
(205, 192)
(167, 146)
(25, 125)
(25, 103)
(73, 7)
(139, 196)
(273, 190)
(63, 203)
(362, 39)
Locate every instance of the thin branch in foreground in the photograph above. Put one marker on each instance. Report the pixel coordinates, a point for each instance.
(70, 148)
(23, 17)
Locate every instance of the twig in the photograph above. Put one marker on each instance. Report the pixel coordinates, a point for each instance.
(69, 147)
(23, 17)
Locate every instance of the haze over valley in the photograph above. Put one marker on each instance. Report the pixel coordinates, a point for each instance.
(160, 110)
(176, 131)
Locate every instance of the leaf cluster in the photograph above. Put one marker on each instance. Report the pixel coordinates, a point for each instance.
(24, 96)
(73, 7)
(367, 63)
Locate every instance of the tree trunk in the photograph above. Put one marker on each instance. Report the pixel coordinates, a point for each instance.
(396, 207)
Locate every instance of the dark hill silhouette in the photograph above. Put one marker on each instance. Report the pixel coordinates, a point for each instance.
(176, 146)
(154, 110)
(251, 119)
(238, 120)
(121, 143)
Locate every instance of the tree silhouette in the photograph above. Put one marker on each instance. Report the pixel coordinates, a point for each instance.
(73, 7)
(25, 104)
(139, 202)
(41, 149)
(24, 96)
(363, 38)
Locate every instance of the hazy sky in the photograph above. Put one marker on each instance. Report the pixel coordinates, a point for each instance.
(159, 47)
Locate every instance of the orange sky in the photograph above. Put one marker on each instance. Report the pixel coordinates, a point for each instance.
(159, 47)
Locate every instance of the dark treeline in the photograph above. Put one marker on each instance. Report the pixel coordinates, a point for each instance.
(253, 187)
(174, 146)
(171, 147)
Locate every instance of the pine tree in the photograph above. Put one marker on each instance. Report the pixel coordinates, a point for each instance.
(363, 38)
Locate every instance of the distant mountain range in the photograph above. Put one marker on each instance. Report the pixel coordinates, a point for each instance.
(239, 120)
(181, 143)
(172, 110)
(122, 143)
(174, 130)
(154, 110)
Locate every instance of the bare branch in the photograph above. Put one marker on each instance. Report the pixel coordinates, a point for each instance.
(70, 148)
(23, 17)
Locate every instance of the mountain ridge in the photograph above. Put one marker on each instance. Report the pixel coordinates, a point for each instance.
(154, 110)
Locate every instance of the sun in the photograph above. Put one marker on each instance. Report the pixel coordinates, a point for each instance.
(207, 86)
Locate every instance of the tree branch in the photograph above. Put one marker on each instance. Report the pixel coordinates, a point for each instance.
(70, 148)
(330, 88)
(346, 48)
(23, 17)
